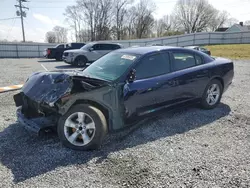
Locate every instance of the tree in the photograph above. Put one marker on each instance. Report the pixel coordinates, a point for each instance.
(219, 20)
(50, 37)
(119, 18)
(231, 21)
(98, 16)
(85, 35)
(129, 25)
(143, 18)
(194, 15)
(60, 34)
(103, 19)
(163, 25)
(75, 19)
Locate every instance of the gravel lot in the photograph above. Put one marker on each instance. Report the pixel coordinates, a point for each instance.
(184, 148)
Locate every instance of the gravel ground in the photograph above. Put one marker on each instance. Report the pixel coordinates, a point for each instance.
(184, 148)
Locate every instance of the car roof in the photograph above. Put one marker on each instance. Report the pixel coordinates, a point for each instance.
(105, 43)
(146, 49)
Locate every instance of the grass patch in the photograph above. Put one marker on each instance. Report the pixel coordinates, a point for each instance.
(232, 51)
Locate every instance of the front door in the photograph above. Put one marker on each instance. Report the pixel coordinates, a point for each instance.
(96, 53)
(152, 88)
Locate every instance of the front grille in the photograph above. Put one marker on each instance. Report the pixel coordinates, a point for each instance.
(65, 54)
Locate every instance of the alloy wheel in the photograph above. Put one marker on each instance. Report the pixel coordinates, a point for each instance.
(213, 94)
(79, 129)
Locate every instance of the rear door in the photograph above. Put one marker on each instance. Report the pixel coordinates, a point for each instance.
(153, 87)
(191, 74)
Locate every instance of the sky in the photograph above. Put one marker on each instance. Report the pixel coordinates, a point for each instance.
(43, 15)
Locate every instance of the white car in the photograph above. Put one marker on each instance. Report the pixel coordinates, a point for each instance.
(89, 53)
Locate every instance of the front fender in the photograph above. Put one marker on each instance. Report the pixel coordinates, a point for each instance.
(105, 97)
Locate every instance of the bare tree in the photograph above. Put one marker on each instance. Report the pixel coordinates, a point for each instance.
(144, 20)
(88, 7)
(231, 21)
(163, 25)
(194, 15)
(75, 19)
(85, 35)
(219, 20)
(120, 9)
(129, 25)
(50, 37)
(60, 33)
(103, 19)
(98, 15)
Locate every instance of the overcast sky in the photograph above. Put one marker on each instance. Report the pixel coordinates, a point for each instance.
(43, 15)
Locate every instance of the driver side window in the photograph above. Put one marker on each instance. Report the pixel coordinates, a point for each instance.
(153, 65)
(96, 47)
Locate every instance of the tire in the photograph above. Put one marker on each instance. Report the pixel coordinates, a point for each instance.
(81, 61)
(206, 101)
(93, 133)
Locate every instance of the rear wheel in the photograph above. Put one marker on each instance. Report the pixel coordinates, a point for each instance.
(83, 127)
(58, 57)
(212, 95)
(81, 61)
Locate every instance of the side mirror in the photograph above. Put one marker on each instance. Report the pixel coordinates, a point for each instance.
(91, 49)
(131, 76)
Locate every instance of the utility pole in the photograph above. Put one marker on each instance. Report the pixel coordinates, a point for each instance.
(21, 13)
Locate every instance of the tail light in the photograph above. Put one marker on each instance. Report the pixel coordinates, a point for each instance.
(48, 51)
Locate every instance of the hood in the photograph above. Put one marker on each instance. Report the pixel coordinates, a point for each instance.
(48, 87)
(75, 51)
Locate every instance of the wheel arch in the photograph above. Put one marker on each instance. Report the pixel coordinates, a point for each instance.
(102, 108)
(81, 56)
(219, 79)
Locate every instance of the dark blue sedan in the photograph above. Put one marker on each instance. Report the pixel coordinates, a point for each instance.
(119, 89)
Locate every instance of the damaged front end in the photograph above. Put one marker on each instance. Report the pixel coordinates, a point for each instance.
(42, 95)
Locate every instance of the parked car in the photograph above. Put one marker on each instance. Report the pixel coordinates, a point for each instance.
(202, 49)
(57, 51)
(119, 89)
(89, 53)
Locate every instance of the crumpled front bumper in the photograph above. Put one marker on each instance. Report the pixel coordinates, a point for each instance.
(35, 125)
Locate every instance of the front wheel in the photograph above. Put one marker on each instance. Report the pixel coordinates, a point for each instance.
(83, 127)
(81, 61)
(212, 95)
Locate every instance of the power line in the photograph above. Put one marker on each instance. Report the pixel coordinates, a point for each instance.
(10, 29)
(8, 18)
(21, 13)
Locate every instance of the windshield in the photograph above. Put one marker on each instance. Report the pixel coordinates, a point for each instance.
(87, 46)
(111, 66)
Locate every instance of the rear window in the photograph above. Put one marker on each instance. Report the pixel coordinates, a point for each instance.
(60, 46)
(183, 61)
